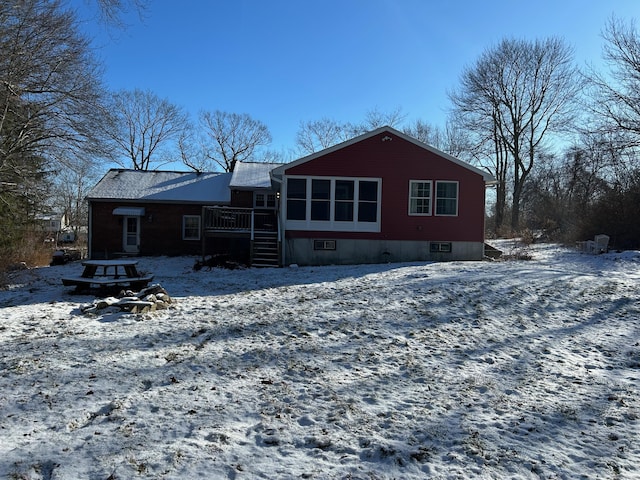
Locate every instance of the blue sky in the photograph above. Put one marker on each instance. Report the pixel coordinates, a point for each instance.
(286, 61)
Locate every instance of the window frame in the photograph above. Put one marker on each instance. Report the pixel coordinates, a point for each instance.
(268, 200)
(436, 198)
(440, 247)
(185, 218)
(430, 211)
(320, 200)
(353, 225)
(290, 201)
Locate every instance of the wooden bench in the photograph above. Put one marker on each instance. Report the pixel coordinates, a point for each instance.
(108, 273)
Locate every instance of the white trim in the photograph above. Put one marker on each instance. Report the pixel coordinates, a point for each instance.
(266, 194)
(332, 225)
(435, 195)
(416, 214)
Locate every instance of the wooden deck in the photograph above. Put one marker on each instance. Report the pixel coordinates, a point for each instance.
(230, 220)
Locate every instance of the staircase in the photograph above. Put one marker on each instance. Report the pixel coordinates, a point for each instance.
(265, 252)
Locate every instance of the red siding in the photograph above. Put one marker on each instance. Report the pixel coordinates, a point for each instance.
(398, 161)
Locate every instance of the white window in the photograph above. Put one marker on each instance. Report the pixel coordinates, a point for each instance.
(447, 198)
(337, 204)
(264, 200)
(420, 197)
(191, 227)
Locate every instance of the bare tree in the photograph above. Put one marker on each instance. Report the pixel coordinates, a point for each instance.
(72, 184)
(376, 118)
(232, 137)
(317, 135)
(426, 133)
(616, 99)
(112, 11)
(373, 119)
(143, 127)
(512, 99)
(50, 104)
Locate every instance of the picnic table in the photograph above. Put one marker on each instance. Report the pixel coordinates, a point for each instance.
(109, 273)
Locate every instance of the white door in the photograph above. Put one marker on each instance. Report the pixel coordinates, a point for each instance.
(131, 234)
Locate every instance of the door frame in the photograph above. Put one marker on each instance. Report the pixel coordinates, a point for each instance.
(127, 235)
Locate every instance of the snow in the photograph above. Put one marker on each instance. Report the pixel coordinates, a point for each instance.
(165, 186)
(508, 369)
(252, 175)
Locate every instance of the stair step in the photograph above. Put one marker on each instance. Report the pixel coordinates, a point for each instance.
(265, 251)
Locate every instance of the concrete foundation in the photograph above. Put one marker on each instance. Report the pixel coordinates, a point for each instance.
(301, 251)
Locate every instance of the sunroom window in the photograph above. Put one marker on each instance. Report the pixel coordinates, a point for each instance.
(368, 201)
(320, 199)
(344, 200)
(339, 204)
(296, 199)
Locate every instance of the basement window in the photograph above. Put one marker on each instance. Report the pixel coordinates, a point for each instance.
(324, 244)
(440, 247)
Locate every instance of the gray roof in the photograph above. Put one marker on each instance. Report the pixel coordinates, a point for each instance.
(158, 186)
(252, 175)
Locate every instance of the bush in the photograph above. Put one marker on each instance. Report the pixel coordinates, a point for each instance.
(27, 248)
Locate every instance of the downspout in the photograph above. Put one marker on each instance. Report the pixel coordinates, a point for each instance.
(281, 223)
(90, 230)
(280, 243)
(203, 241)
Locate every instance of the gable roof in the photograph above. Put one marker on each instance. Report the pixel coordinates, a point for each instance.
(279, 171)
(252, 175)
(161, 186)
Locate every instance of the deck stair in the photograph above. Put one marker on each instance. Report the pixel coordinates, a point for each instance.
(265, 251)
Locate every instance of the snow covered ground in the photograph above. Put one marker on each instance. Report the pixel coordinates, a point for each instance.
(512, 369)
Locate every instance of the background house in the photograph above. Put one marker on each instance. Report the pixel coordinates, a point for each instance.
(380, 197)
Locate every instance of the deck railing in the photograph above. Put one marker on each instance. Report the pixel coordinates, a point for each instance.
(232, 219)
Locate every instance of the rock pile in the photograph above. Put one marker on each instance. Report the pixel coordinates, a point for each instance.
(149, 299)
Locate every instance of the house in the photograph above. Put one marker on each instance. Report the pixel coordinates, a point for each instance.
(56, 228)
(134, 212)
(380, 197)
(51, 224)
